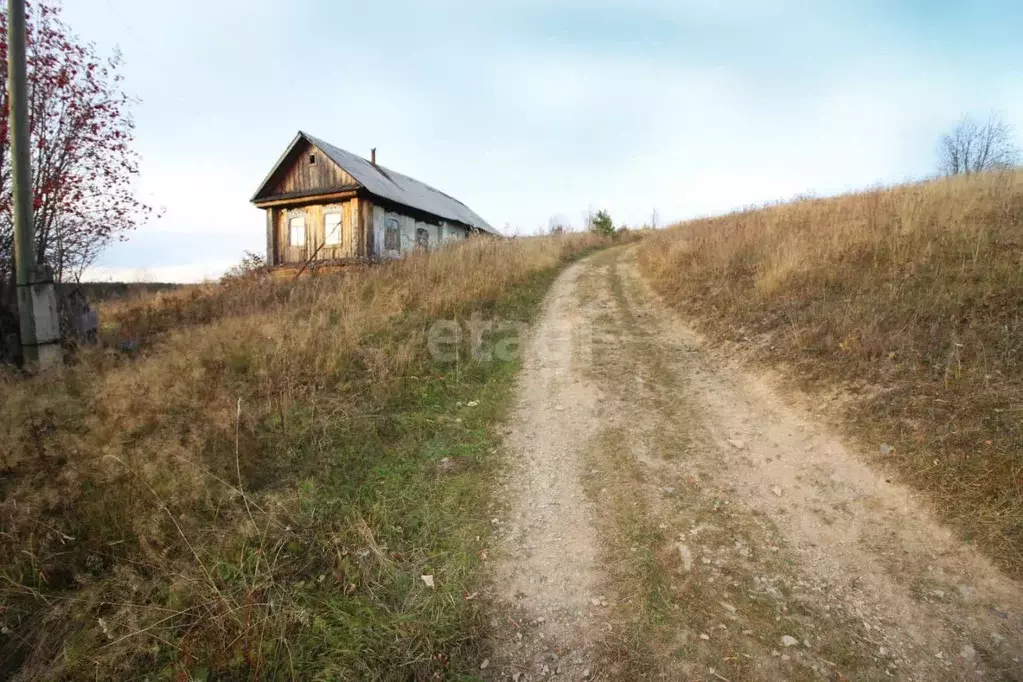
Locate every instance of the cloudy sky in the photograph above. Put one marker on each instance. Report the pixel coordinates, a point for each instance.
(525, 110)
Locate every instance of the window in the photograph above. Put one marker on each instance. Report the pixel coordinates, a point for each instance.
(296, 231)
(392, 236)
(332, 228)
(422, 239)
(312, 159)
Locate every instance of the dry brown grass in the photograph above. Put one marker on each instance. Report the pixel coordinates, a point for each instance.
(254, 491)
(907, 302)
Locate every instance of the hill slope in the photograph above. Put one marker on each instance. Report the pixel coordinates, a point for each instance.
(257, 490)
(905, 304)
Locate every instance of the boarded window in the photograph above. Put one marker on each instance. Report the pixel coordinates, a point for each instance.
(392, 235)
(296, 230)
(422, 238)
(332, 228)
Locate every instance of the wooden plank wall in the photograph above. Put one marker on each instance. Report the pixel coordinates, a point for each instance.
(366, 228)
(303, 176)
(271, 237)
(350, 229)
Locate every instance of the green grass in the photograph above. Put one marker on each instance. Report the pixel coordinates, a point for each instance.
(160, 532)
(384, 475)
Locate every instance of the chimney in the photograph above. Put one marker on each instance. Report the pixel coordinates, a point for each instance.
(373, 156)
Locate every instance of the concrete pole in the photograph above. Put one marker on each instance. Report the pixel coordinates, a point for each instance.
(37, 304)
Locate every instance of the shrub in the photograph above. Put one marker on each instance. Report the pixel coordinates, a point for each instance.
(601, 224)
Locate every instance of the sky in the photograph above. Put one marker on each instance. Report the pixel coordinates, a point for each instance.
(536, 109)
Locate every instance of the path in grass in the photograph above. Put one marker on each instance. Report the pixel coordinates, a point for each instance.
(547, 574)
(669, 515)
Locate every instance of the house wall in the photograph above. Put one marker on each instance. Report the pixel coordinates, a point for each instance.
(302, 176)
(363, 226)
(280, 252)
(407, 229)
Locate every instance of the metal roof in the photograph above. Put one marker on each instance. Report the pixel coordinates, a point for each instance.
(391, 185)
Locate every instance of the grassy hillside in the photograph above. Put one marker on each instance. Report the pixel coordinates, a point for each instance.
(258, 490)
(107, 291)
(908, 302)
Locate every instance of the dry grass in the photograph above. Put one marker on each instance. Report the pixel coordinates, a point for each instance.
(254, 492)
(906, 302)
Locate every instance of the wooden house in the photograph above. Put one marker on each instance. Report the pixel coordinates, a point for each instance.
(325, 205)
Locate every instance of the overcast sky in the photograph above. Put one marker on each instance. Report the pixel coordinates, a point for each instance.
(525, 110)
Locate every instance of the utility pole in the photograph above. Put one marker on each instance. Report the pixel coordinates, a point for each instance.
(37, 304)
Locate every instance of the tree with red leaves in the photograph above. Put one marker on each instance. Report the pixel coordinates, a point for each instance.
(83, 165)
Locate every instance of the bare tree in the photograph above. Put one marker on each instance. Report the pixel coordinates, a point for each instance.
(974, 146)
(558, 224)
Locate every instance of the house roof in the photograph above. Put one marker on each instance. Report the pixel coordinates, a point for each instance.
(387, 184)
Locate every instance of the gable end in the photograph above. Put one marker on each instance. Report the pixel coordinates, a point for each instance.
(304, 170)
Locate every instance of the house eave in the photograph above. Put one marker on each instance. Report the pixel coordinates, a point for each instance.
(308, 197)
(269, 176)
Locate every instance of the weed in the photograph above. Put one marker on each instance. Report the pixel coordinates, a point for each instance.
(904, 301)
(256, 492)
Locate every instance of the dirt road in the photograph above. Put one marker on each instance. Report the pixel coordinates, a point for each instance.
(670, 517)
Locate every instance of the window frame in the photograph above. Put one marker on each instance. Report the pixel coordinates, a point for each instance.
(422, 238)
(292, 217)
(391, 223)
(340, 227)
